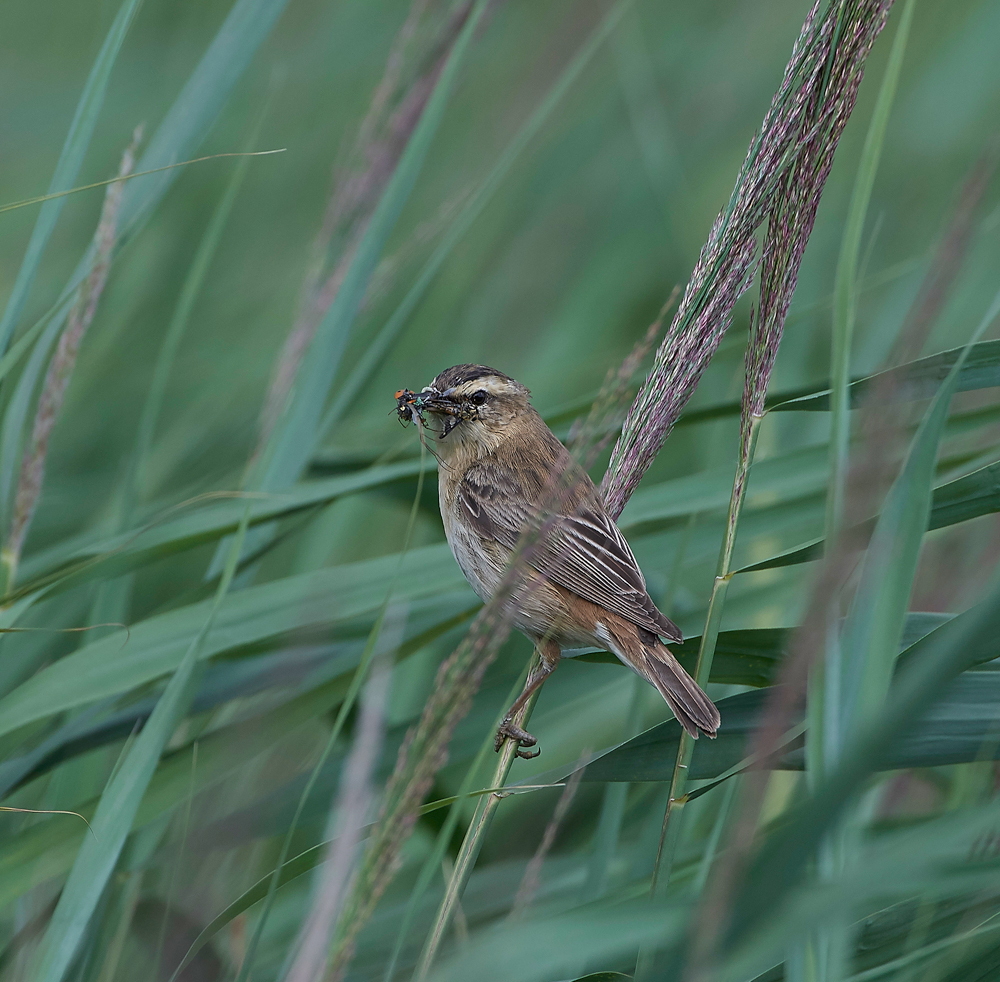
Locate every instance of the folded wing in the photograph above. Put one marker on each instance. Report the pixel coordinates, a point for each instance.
(582, 550)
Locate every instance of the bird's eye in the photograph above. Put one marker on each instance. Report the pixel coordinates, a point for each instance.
(478, 397)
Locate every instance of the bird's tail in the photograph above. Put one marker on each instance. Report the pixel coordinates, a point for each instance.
(693, 709)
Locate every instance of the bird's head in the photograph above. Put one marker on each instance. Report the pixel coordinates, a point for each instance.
(467, 405)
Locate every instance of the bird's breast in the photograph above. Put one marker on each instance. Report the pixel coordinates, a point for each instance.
(479, 560)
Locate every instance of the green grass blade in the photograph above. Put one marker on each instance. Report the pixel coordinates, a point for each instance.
(198, 105)
(190, 118)
(875, 622)
(915, 380)
(961, 500)
(155, 646)
(471, 210)
(298, 430)
(119, 804)
(68, 166)
(48, 848)
(193, 283)
(748, 657)
(780, 863)
(961, 727)
(752, 656)
(207, 521)
(354, 690)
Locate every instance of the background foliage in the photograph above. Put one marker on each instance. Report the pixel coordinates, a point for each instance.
(601, 212)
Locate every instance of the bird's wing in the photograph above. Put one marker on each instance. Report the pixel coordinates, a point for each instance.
(583, 551)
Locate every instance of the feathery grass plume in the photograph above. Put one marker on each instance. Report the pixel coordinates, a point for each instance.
(422, 754)
(883, 437)
(837, 48)
(794, 144)
(354, 800)
(416, 58)
(424, 751)
(63, 362)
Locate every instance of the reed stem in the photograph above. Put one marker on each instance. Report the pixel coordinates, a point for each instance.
(474, 836)
(675, 802)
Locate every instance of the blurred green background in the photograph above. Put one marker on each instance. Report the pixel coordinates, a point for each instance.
(599, 218)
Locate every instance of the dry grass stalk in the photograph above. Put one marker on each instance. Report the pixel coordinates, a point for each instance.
(354, 800)
(362, 175)
(530, 882)
(63, 362)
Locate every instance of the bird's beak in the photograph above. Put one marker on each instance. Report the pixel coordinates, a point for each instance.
(413, 404)
(444, 406)
(437, 402)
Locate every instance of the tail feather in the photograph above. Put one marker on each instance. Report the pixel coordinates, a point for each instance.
(693, 709)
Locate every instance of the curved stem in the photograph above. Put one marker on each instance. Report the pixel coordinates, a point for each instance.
(474, 836)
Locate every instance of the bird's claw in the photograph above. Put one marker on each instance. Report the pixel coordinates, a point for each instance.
(511, 731)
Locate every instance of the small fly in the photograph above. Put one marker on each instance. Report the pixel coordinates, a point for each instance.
(408, 407)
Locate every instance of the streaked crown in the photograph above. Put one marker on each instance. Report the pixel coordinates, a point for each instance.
(464, 380)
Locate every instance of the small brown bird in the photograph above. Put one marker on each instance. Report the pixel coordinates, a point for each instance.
(583, 586)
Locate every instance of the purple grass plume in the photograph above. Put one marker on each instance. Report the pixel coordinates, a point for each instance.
(790, 155)
(60, 370)
(780, 182)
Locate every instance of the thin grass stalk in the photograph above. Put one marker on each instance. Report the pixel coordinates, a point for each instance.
(840, 47)
(114, 596)
(346, 706)
(421, 755)
(609, 821)
(433, 861)
(354, 799)
(532, 879)
(193, 282)
(60, 371)
(616, 794)
(845, 283)
(827, 948)
(474, 837)
(670, 833)
(172, 878)
(120, 800)
(949, 256)
(74, 150)
(424, 750)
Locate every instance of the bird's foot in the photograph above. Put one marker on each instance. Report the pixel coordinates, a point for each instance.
(511, 731)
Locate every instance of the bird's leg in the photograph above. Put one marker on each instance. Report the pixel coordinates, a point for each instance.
(508, 729)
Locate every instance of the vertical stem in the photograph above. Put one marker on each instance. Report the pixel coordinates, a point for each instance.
(706, 652)
(437, 854)
(474, 836)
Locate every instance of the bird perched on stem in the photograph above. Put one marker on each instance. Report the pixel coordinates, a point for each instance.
(506, 483)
